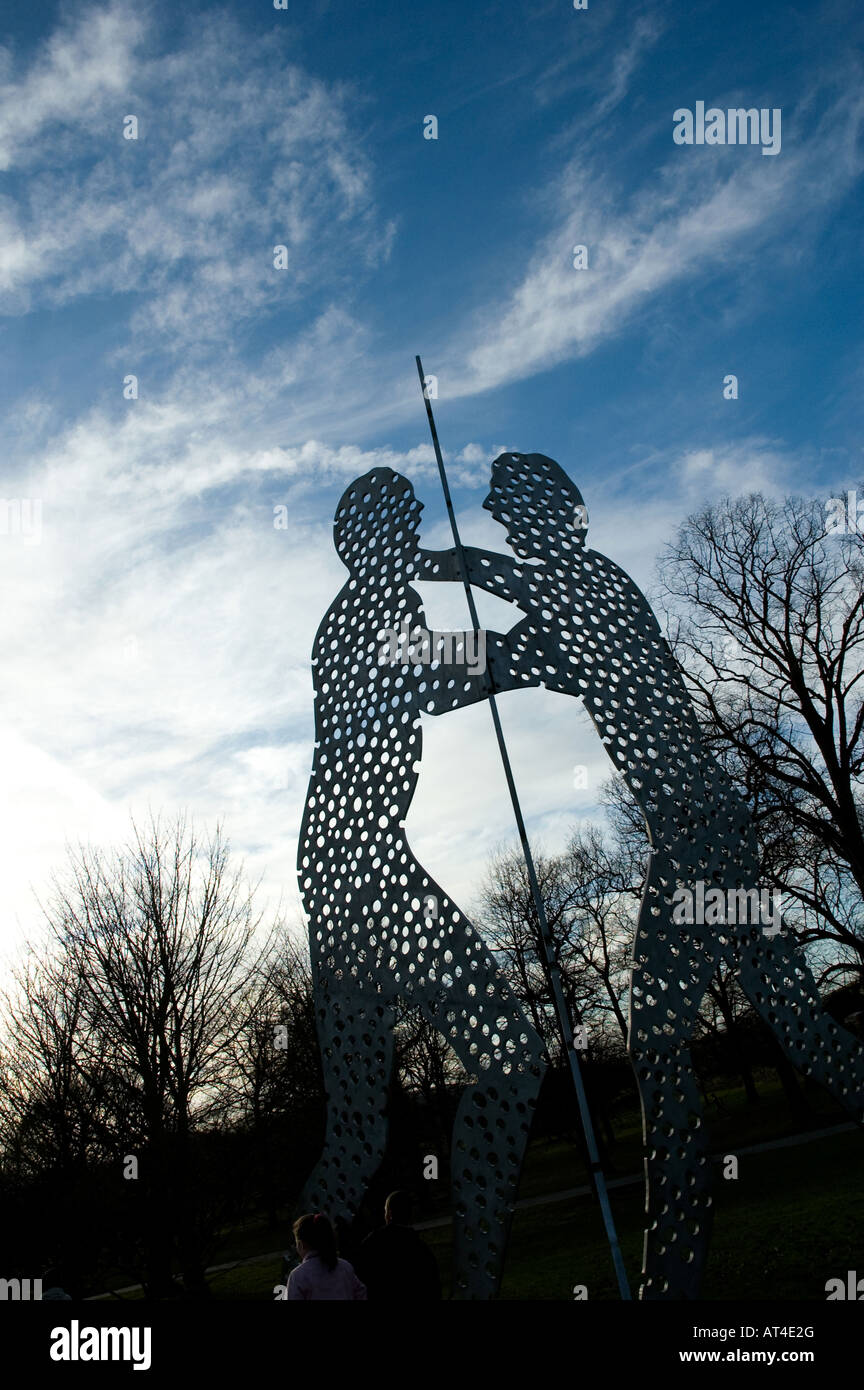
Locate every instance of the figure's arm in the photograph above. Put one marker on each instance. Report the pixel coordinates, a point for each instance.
(455, 684)
(500, 575)
(438, 564)
(455, 681)
(506, 661)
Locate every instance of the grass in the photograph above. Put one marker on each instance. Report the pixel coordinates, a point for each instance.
(554, 1165)
(791, 1220)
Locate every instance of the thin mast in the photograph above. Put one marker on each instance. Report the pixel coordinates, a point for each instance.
(545, 935)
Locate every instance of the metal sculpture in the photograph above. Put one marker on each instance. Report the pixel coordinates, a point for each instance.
(546, 945)
(589, 632)
(380, 928)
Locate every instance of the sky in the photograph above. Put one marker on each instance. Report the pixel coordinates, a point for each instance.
(157, 625)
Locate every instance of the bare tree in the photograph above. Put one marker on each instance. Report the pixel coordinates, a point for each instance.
(274, 1093)
(158, 939)
(427, 1068)
(275, 1064)
(605, 878)
(424, 1059)
(591, 894)
(510, 926)
(767, 620)
(52, 1109)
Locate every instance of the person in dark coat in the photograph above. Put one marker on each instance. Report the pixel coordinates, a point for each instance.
(394, 1263)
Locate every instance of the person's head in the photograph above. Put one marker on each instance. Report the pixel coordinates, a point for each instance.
(377, 524)
(315, 1235)
(397, 1209)
(541, 508)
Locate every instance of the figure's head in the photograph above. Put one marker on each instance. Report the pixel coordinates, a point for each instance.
(397, 1209)
(314, 1234)
(541, 508)
(377, 523)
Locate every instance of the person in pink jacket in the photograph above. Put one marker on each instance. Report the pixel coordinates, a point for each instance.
(321, 1274)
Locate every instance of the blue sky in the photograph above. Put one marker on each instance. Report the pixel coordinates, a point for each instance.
(157, 635)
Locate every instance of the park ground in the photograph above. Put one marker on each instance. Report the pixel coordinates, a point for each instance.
(791, 1220)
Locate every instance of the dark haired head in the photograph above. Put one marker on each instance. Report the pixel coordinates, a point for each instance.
(317, 1234)
(397, 1208)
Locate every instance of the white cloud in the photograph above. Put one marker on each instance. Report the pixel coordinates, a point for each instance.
(159, 637)
(646, 31)
(74, 79)
(237, 152)
(703, 206)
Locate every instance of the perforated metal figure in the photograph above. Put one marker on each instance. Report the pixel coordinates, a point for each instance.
(591, 633)
(380, 928)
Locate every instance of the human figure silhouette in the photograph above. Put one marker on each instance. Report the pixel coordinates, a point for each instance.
(321, 1275)
(590, 632)
(394, 1263)
(380, 928)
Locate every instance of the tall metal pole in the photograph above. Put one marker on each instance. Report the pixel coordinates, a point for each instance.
(545, 935)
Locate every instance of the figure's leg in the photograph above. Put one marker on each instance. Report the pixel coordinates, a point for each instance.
(356, 1039)
(423, 950)
(671, 968)
(678, 1204)
(777, 979)
(497, 1045)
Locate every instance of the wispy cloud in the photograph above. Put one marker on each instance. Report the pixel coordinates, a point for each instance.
(645, 33)
(158, 642)
(676, 227)
(70, 87)
(236, 152)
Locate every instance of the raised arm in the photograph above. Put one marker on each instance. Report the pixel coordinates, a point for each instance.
(500, 575)
(455, 684)
(461, 676)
